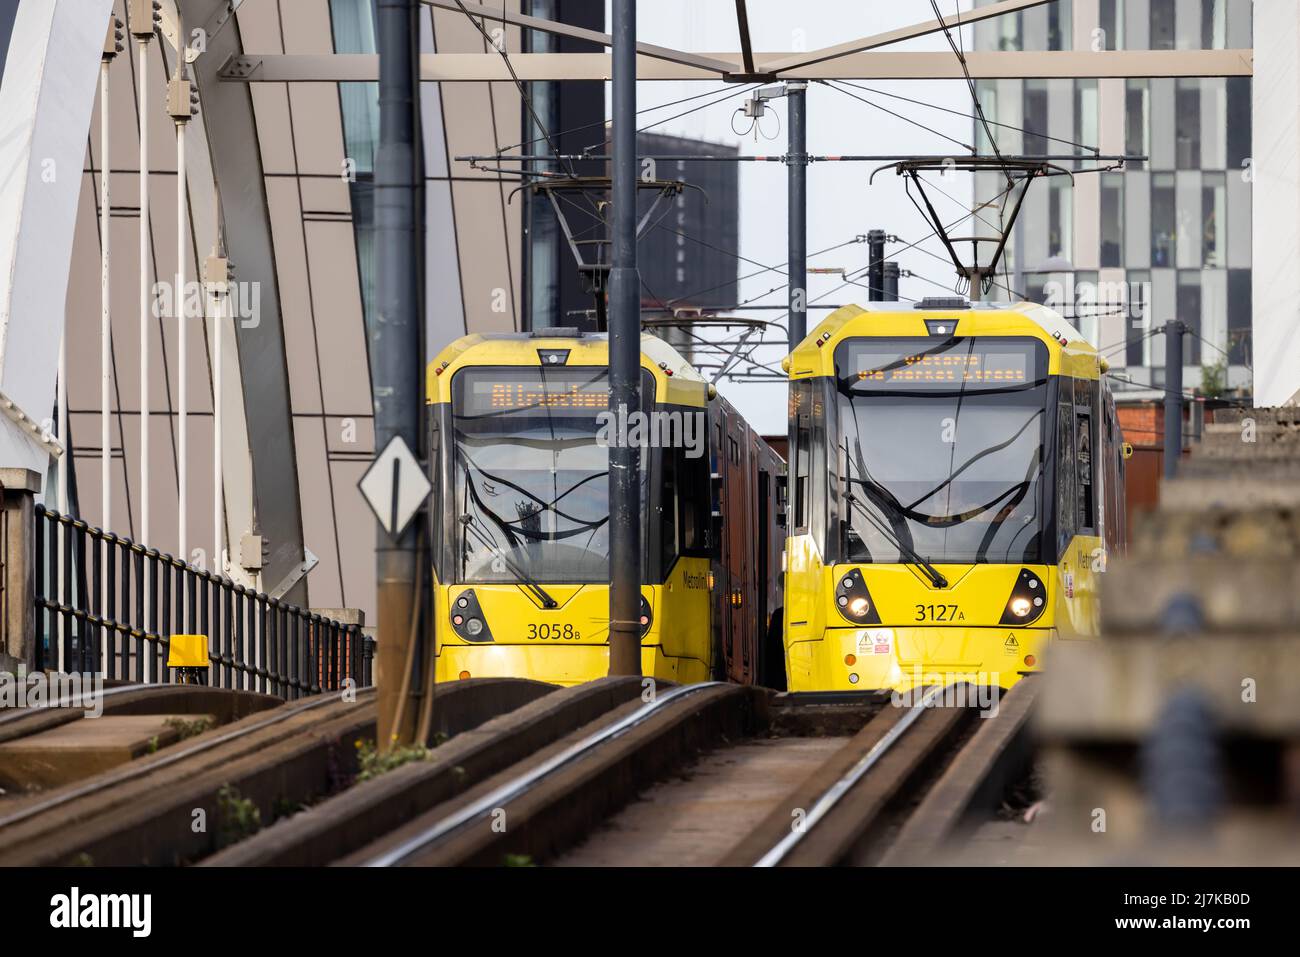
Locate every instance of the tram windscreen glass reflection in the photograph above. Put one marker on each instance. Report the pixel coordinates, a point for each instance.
(941, 449)
(532, 483)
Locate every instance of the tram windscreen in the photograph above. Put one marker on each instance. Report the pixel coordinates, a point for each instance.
(941, 448)
(531, 480)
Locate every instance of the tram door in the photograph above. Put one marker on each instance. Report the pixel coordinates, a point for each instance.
(736, 553)
(762, 580)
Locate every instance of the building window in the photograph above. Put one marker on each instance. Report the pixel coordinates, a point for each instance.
(1110, 18)
(1238, 107)
(1139, 318)
(1060, 221)
(353, 22)
(1059, 34)
(997, 33)
(1035, 118)
(1239, 318)
(1214, 24)
(1189, 314)
(1164, 233)
(1214, 220)
(1009, 31)
(987, 91)
(1137, 114)
(1187, 124)
(1087, 305)
(1085, 113)
(1112, 219)
(1163, 31)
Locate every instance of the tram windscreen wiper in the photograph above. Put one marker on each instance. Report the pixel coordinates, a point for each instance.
(528, 581)
(910, 554)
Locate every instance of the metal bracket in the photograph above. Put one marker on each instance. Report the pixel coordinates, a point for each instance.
(309, 562)
(222, 17)
(237, 67)
(11, 410)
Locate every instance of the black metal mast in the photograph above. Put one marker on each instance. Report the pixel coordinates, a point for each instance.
(395, 335)
(624, 359)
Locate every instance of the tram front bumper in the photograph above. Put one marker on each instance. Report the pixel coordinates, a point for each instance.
(861, 659)
(554, 664)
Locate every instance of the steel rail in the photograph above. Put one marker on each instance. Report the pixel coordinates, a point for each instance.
(132, 772)
(836, 791)
(67, 702)
(525, 782)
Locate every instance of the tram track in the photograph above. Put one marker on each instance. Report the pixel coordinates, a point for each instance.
(719, 774)
(612, 772)
(177, 805)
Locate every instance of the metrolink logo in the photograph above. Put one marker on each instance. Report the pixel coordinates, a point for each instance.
(660, 429)
(74, 910)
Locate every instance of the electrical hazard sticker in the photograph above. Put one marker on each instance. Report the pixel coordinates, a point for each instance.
(876, 641)
(1011, 646)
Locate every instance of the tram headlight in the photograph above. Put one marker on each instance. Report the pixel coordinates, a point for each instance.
(1028, 600)
(467, 618)
(647, 619)
(854, 601)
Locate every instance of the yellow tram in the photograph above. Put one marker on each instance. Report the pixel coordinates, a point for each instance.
(520, 429)
(956, 482)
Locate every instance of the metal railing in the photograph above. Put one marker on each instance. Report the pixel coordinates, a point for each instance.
(107, 605)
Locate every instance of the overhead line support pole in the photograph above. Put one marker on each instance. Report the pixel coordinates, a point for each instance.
(396, 346)
(1173, 396)
(624, 359)
(796, 92)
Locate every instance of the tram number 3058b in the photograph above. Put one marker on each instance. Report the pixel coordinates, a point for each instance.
(939, 613)
(549, 632)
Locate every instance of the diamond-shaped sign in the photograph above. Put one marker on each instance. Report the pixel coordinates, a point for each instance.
(395, 486)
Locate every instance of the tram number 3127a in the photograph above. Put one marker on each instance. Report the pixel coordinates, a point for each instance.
(939, 613)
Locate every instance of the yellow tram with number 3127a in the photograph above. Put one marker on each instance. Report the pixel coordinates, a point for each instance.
(956, 481)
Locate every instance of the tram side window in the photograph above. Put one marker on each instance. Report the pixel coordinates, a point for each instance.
(1066, 510)
(683, 516)
(435, 504)
(1084, 443)
(692, 482)
(801, 420)
(668, 511)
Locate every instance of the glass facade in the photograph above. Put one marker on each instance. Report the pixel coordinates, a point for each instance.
(1171, 232)
(353, 22)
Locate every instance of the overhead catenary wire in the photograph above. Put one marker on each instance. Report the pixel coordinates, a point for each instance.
(648, 109)
(523, 91)
(969, 116)
(965, 69)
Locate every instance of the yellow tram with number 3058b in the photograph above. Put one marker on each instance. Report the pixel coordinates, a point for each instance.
(956, 481)
(520, 431)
